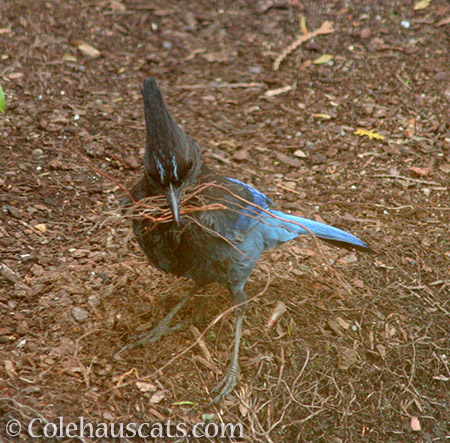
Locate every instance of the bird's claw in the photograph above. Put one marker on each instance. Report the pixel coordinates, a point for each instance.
(225, 386)
(157, 333)
(163, 328)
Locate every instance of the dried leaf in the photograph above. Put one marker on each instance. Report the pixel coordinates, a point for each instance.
(381, 350)
(66, 347)
(347, 358)
(117, 6)
(41, 227)
(86, 48)
(348, 259)
(299, 153)
(157, 397)
(426, 268)
(15, 75)
(278, 91)
(73, 367)
(422, 4)
(445, 168)
(69, 58)
(108, 416)
(335, 326)
(55, 163)
(294, 162)
(290, 185)
(415, 424)
(443, 22)
(390, 331)
(423, 172)
(371, 134)
(325, 58)
(79, 253)
(277, 312)
(303, 28)
(342, 323)
(410, 130)
(10, 369)
(242, 154)
(8, 274)
(146, 387)
(358, 283)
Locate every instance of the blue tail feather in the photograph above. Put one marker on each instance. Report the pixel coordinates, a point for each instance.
(279, 230)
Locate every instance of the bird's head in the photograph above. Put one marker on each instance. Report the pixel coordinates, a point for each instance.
(172, 159)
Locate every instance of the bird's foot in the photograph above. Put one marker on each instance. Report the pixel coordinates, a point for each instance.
(226, 385)
(160, 330)
(163, 328)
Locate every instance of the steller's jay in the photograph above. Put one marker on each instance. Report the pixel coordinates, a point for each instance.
(208, 245)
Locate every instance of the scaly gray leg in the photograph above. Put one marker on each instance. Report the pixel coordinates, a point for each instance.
(228, 383)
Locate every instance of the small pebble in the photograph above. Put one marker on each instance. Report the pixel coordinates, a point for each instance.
(310, 146)
(14, 211)
(447, 94)
(80, 314)
(365, 33)
(255, 70)
(37, 152)
(132, 161)
(406, 24)
(167, 45)
(93, 300)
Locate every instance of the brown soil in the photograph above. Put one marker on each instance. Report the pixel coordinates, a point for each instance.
(363, 352)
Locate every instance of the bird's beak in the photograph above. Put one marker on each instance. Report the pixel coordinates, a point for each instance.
(173, 198)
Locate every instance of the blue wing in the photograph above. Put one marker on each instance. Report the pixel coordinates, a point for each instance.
(249, 211)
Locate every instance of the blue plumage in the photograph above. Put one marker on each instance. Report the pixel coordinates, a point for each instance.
(278, 227)
(259, 200)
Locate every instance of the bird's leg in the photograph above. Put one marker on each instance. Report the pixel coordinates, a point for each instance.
(229, 381)
(162, 328)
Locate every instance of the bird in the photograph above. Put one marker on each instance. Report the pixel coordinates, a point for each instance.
(207, 246)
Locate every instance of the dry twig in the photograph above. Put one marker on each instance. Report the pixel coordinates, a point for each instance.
(221, 85)
(325, 28)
